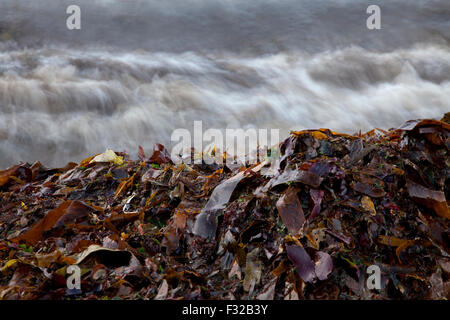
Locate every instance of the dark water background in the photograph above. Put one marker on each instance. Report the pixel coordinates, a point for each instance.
(139, 69)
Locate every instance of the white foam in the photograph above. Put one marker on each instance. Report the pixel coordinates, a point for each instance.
(60, 105)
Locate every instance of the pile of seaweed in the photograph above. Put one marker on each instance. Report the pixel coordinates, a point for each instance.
(304, 225)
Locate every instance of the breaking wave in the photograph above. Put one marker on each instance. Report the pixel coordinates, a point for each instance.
(137, 71)
(62, 104)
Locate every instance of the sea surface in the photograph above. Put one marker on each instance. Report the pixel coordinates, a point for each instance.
(137, 70)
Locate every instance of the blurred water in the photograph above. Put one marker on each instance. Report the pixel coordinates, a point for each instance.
(140, 69)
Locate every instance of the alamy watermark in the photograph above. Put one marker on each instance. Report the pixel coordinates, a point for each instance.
(374, 278)
(217, 146)
(73, 282)
(73, 21)
(374, 20)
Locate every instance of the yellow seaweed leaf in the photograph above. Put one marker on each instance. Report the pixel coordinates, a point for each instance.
(368, 205)
(108, 156)
(9, 264)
